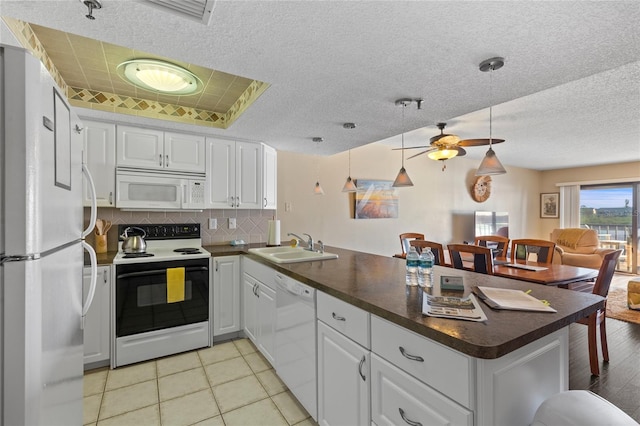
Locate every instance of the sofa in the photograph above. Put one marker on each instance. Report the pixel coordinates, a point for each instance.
(578, 247)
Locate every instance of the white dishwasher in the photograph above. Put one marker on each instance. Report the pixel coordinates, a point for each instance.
(296, 340)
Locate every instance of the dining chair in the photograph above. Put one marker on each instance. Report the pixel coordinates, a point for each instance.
(522, 248)
(405, 240)
(436, 248)
(597, 319)
(501, 245)
(482, 257)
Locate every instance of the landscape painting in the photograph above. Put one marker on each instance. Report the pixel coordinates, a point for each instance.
(375, 199)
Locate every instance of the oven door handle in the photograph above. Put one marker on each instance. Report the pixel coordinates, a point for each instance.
(158, 272)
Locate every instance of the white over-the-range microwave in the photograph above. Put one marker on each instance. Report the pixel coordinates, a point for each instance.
(138, 189)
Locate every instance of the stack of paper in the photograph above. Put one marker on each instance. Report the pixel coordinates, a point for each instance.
(505, 298)
(453, 307)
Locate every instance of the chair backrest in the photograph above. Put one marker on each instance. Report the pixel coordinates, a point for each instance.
(521, 248)
(501, 244)
(436, 248)
(482, 257)
(605, 273)
(406, 238)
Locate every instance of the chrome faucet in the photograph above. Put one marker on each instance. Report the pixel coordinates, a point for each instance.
(309, 241)
(321, 244)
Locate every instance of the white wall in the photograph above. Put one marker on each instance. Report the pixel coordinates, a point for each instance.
(432, 206)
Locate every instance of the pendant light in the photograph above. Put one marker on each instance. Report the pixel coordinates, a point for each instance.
(349, 186)
(403, 178)
(317, 189)
(490, 164)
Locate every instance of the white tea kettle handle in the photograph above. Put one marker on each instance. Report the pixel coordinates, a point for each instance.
(94, 203)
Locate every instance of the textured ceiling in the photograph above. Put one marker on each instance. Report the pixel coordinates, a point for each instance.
(567, 96)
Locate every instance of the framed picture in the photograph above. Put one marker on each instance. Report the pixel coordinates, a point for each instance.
(376, 199)
(550, 205)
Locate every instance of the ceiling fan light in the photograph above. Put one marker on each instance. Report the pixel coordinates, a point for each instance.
(490, 165)
(402, 179)
(349, 186)
(317, 190)
(443, 154)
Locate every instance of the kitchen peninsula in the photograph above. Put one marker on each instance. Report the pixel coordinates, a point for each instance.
(496, 372)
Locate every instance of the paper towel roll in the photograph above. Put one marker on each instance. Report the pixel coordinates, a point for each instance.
(273, 233)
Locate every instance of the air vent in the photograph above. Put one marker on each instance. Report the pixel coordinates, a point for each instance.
(197, 10)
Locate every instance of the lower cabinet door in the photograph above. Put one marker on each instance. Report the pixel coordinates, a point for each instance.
(96, 325)
(250, 307)
(399, 399)
(226, 295)
(343, 379)
(267, 322)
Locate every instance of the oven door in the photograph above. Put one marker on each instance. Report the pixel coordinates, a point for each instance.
(144, 299)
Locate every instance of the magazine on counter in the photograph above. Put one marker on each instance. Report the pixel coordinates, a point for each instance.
(466, 308)
(517, 300)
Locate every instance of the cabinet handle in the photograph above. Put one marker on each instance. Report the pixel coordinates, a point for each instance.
(233, 202)
(216, 266)
(166, 162)
(409, 356)
(237, 201)
(111, 198)
(265, 202)
(409, 422)
(160, 160)
(337, 317)
(104, 275)
(364, 378)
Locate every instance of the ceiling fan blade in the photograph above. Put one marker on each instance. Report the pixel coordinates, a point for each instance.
(479, 142)
(410, 147)
(420, 153)
(461, 152)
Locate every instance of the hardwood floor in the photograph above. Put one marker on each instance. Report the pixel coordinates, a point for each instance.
(619, 380)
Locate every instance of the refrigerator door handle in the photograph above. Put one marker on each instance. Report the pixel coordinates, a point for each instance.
(94, 204)
(94, 278)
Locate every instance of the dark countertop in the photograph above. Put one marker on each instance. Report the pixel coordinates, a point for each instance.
(376, 284)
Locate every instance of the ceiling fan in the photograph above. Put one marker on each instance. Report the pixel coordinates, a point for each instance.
(445, 146)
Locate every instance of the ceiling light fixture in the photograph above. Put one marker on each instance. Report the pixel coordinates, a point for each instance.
(349, 186)
(490, 164)
(91, 5)
(317, 189)
(403, 178)
(159, 76)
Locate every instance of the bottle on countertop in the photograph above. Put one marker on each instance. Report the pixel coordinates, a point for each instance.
(425, 268)
(412, 267)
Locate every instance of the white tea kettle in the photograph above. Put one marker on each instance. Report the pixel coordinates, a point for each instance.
(133, 243)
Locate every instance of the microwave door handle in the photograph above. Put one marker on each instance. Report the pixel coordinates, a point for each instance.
(184, 194)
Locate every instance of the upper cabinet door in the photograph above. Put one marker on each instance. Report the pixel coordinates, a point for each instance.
(138, 147)
(270, 178)
(249, 175)
(221, 174)
(99, 153)
(184, 152)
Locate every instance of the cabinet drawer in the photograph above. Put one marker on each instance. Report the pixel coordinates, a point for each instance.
(349, 320)
(261, 272)
(399, 399)
(444, 369)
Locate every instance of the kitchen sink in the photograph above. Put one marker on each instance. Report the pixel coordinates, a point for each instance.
(291, 254)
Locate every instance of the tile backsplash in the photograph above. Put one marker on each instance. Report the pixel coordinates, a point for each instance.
(251, 225)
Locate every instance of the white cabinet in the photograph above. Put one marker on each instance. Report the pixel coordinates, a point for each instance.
(234, 174)
(259, 307)
(398, 398)
(155, 149)
(226, 295)
(270, 178)
(99, 155)
(344, 388)
(343, 379)
(97, 320)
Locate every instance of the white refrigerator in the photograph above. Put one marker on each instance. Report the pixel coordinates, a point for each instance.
(41, 247)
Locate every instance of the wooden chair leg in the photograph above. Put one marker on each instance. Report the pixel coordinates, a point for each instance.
(593, 346)
(603, 340)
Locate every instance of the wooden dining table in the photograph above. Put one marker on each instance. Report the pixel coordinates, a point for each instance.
(555, 274)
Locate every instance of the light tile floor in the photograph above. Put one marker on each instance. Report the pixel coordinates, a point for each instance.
(228, 384)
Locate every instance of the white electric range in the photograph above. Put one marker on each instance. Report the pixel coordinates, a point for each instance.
(162, 296)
